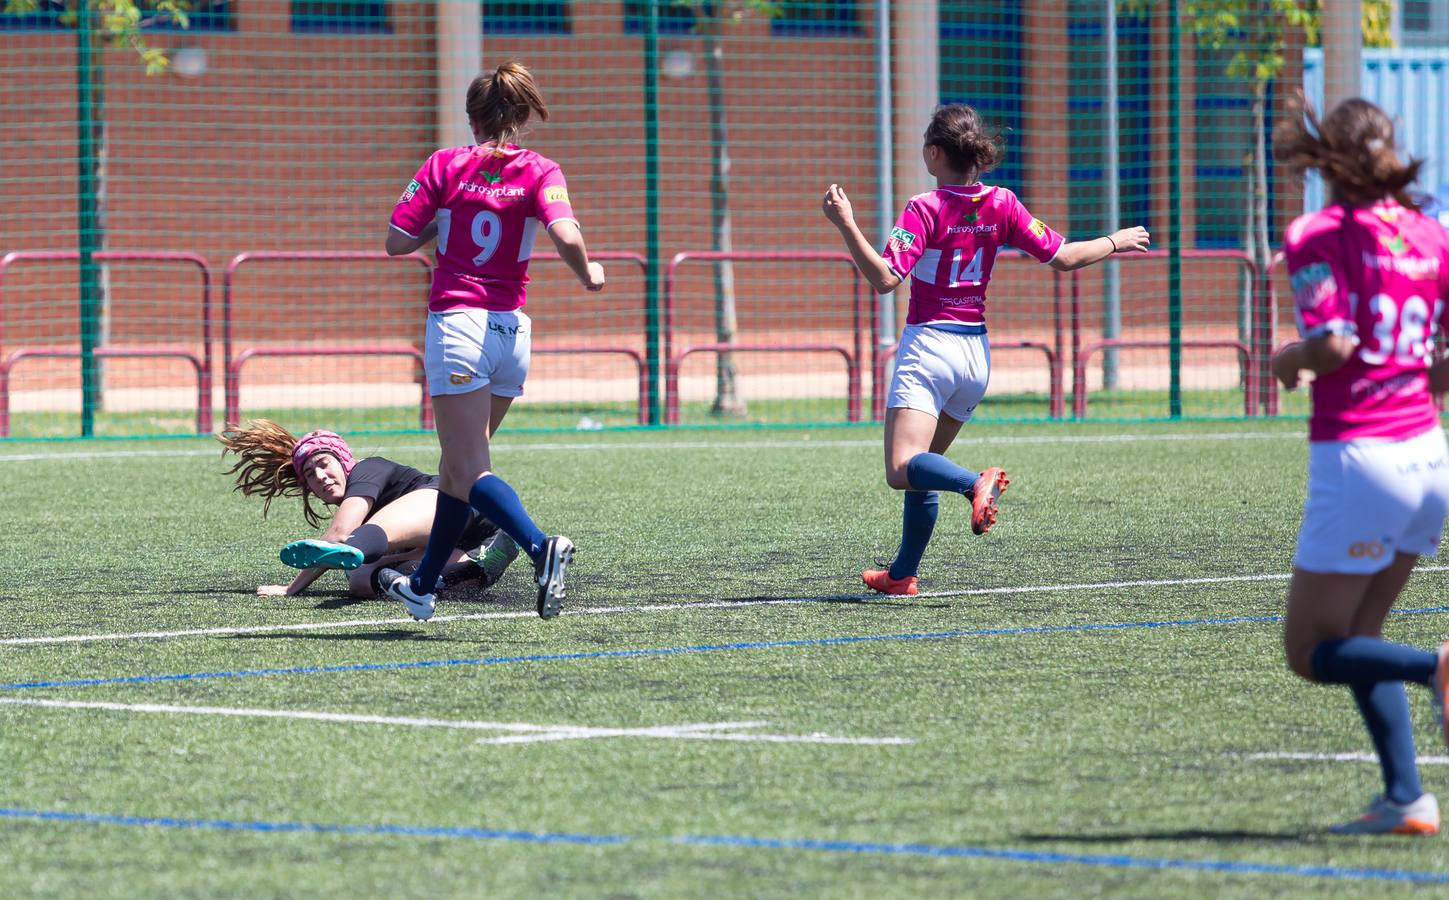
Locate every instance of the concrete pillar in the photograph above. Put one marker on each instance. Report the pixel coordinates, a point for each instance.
(916, 55)
(458, 30)
(1043, 143)
(1342, 49)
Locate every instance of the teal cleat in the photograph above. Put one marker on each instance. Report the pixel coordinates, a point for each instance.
(309, 553)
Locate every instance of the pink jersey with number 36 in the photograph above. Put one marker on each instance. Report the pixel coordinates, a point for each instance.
(947, 240)
(488, 204)
(1379, 273)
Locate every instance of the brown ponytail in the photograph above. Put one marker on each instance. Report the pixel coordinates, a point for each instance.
(499, 104)
(1353, 148)
(971, 146)
(265, 465)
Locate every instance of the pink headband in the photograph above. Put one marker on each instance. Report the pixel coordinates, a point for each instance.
(321, 442)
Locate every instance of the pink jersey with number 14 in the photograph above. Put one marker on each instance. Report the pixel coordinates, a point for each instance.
(1378, 273)
(947, 240)
(488, 204)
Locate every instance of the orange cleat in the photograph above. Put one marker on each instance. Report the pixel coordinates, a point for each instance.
(1384, 816)
(989, 488)
(881, 580)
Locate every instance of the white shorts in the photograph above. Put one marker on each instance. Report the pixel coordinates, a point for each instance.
(1370, 499)
(940, 372)
(469, 349)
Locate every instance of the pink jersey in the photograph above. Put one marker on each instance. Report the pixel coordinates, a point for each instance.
(1376, 272)
(488, 204)
(947, 240)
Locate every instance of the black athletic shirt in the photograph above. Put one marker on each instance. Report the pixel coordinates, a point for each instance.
(382, 481)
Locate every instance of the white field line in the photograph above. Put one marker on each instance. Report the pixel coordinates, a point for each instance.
(569, 732)
(523, 732)
(665, 444)
(645, 608)
(705, 732)
(1341, 757)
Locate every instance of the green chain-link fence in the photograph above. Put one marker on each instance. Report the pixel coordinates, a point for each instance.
(204, 243)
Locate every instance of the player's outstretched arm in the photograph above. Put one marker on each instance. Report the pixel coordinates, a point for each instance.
(570, 243)
(1079, 254)
(837, 209)
(351, 513)
(299, 584)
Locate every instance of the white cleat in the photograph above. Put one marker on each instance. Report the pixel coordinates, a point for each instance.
(1384, 816)
(558, 552)
(400, 587)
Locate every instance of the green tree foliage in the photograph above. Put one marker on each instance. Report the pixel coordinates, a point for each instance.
(1258, 29)
(121, 22)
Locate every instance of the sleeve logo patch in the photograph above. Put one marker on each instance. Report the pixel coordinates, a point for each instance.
(1038, 228)
(408, 193)
(900, 241)
(1312, 284)
(555, 195)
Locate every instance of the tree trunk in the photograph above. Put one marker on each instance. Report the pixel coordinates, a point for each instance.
(1246, 283)
(727, 401)
(102, 171)
(1261, 250)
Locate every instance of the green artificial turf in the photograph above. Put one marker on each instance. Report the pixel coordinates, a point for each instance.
(1040, 756)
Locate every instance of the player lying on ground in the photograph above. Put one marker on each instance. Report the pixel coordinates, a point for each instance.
(1370, 282)
(947, 240)
(383, 517)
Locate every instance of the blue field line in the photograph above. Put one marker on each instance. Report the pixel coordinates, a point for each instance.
(757, 843)
(661, 651)
(476, 834)
(1074, 859)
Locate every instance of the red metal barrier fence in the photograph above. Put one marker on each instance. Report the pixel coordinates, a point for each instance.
(234, 364)
(853, 355)
(642, 362)
(202, 364)
(1260, 395)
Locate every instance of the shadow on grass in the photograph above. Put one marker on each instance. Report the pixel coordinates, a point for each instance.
(165, 592)
(1224, 835)
(386, 635)
(504, 603)
(387, 604)
(507, 602)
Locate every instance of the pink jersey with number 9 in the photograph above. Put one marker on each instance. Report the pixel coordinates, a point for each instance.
(488, 203)
(1378, 273)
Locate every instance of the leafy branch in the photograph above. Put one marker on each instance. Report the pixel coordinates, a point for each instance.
(122, 22)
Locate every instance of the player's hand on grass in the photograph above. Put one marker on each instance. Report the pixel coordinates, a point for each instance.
(836, 206)
(596, 277)
(272, 590)
(1132, 240)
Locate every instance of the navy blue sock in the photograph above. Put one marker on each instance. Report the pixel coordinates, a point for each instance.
(448, 524)
(371, 540)
(1385, 710)
(934, 472)
(1366, 660)
(918, 520)
(497, 502)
